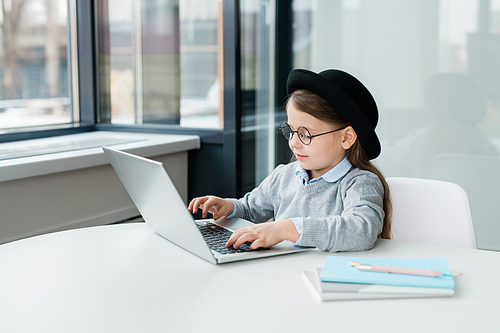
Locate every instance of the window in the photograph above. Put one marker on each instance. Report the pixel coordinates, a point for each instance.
(434, 70)
(160, 62)
(36, 76)
(151, 66)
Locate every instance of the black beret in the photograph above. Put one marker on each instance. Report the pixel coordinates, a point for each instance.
(348, 96)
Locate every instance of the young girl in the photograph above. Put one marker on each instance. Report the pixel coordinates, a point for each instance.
(332, 197)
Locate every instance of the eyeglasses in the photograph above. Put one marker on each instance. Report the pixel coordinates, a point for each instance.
(303, 133)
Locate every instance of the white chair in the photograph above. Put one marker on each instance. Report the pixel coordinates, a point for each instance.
(431, 211)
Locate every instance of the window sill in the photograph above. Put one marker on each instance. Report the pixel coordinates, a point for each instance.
(79, 151)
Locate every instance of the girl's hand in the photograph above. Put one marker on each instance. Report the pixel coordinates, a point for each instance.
(264, 234)
(210, 204)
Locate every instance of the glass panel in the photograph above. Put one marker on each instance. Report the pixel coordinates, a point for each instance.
(434, 70)
(35, 80)
(257, 82)
(160, 62)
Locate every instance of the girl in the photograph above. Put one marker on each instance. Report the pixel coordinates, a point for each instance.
(332, 197)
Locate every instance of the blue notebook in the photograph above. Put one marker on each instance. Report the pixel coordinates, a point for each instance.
(337, 269)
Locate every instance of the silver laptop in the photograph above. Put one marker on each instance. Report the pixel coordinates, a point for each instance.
(164, 211)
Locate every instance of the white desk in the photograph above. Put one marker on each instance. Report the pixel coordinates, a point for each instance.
(125, 278)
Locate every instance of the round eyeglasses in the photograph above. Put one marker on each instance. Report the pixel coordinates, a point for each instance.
(303, 133)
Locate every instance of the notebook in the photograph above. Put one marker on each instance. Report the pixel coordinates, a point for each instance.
(331, 291)
(155, 196)
(338, 269)
(376, 288)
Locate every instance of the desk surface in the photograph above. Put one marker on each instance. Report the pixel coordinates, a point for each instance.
(125, 278)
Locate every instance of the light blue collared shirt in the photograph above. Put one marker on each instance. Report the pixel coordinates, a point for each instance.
(330, 176)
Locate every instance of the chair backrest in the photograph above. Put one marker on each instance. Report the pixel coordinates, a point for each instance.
(431, 211)
(479, 176)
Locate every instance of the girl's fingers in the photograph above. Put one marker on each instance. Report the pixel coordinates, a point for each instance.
(210, 204)
(207, 208)
(196, 204)
(234, 237)
(241, 237)
(257, 243)
(191, 205)
(215, 215)
(261, 235)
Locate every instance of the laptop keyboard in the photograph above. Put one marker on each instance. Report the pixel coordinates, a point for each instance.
(217, 237)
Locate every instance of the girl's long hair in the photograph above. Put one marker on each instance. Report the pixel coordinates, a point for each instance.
(317, 107)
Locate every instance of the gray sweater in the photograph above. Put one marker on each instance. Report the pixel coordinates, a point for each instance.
(345, 215)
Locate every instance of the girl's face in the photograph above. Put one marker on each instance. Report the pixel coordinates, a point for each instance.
(325, 151)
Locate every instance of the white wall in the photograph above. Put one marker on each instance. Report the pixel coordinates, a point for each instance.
(45, 192)
(79, 198)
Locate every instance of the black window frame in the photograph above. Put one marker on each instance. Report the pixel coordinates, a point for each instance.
(222, 174)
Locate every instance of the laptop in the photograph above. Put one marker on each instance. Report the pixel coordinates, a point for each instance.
(155, 196)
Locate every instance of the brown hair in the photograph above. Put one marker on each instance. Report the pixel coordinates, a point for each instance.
(317, 107)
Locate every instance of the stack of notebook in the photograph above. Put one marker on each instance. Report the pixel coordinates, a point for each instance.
(338, 279)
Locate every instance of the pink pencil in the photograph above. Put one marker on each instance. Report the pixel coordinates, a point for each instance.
(400, 270)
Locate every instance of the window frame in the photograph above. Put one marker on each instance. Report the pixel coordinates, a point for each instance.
(88, 85)
(228, 137)
(85, 80)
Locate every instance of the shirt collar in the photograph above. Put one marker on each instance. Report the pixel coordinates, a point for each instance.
(331, 176)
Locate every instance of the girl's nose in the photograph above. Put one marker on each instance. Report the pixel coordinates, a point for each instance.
(295, 142)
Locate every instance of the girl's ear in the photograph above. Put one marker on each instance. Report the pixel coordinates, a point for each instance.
(349, 138)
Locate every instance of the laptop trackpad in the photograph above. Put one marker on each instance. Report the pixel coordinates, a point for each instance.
(233, 224)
